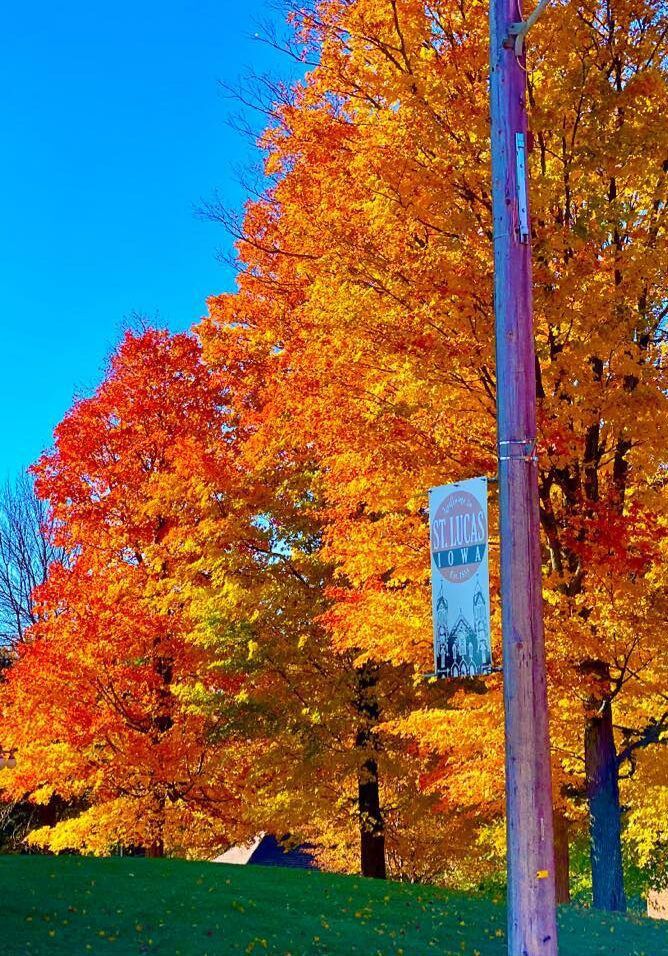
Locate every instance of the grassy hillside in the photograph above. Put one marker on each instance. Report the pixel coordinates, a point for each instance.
(69, 906)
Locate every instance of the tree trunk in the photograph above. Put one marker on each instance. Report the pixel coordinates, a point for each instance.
(602, 778)
(372, 827)
(156, 850)
(50, 813)
(561, 858)
(372, 831)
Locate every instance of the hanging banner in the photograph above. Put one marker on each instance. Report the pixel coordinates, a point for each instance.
(460, 578)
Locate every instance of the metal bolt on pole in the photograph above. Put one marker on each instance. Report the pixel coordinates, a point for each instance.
(531, 884)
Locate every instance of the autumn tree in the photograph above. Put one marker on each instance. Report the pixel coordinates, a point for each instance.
(365, 297)
(249, 522)
(93, 701)
(317, 705)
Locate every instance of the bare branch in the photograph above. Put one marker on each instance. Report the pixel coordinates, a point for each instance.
(27, 552)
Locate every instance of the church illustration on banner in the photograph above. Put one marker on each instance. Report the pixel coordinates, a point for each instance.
(463, 649)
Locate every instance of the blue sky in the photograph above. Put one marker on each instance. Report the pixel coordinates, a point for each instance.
(114, 129)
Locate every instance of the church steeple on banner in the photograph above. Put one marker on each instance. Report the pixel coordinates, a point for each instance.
(459, 540)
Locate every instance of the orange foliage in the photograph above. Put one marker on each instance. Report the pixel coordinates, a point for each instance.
(93, 701)
(253, 530)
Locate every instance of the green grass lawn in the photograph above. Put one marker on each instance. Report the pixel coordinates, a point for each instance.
(72, 906)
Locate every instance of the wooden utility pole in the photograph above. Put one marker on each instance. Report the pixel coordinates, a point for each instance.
(531, 880)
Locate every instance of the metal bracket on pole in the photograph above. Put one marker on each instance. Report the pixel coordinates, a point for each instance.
(518, 449)
(517, 31)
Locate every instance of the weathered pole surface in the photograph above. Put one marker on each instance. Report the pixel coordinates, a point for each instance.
(531, 879)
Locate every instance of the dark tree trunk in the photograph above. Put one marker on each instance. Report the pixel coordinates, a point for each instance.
(156, 850)
(602, 777)
(372, 827)
(372, 832)
(561, 858)
(48, 814)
